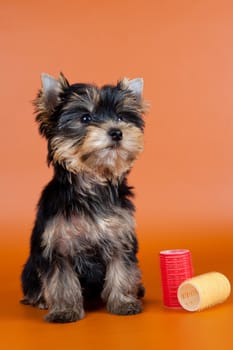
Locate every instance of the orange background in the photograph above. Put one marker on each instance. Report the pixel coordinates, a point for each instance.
(184, 180)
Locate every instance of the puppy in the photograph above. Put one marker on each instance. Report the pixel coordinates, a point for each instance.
(83, 244)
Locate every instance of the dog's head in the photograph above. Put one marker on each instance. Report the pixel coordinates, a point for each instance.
(99, 130)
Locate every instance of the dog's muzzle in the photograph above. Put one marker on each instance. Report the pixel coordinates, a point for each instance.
(115, 134)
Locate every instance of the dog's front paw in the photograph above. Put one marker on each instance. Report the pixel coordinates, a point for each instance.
(65, 316)
(125, 308)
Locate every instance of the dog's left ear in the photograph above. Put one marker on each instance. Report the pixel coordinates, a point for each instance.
(136, 86)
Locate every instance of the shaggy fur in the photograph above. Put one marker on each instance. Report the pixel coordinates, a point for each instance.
(83, 244)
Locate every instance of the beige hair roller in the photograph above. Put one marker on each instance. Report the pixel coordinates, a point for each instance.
(203, 291)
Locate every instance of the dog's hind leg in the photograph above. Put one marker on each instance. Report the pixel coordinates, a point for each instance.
(32, 287)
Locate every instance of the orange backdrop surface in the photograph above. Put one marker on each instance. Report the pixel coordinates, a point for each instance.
(183, 181)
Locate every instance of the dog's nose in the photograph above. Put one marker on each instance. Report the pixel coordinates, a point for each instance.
(116, 134)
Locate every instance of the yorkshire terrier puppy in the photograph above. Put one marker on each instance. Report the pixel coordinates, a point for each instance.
(83, 244)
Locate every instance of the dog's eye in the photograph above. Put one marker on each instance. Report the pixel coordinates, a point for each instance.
(119, 119)
(86, 118)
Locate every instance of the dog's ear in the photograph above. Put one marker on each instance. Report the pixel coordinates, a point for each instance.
(136, 86)
(48, 99)
(51, 90)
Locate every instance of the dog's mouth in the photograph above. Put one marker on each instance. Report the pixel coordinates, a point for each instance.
(107, 150)
(111, 161)
(108, 155)
(114, 154)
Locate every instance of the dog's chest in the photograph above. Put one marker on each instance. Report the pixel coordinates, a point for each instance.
(80, 233)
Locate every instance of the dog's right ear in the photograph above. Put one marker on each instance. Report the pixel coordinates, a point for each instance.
(48, 99)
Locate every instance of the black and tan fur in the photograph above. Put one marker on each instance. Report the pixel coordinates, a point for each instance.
(83, 245)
